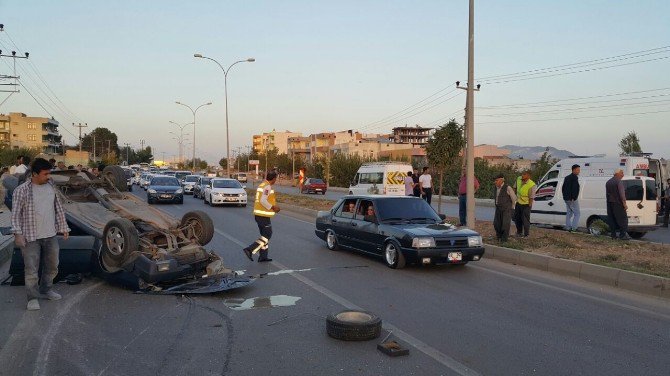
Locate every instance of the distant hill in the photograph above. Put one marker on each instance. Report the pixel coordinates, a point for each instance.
(535, 152)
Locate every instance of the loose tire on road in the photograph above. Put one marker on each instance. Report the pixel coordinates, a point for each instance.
(117, 176)
(119, 240)
(203, 227)
(353, 325)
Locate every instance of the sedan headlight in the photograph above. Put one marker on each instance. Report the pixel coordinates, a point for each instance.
(474, 241)
(423, 242)
(151, 191)
(178, 191)
(243, 194)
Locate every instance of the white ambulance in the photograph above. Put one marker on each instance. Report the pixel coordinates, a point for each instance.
(380, 178)
(549, 207)
(601, 166)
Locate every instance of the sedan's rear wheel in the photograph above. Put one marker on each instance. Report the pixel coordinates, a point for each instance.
(201, 224)
(120, 240)
(331, 240)
(393, 256)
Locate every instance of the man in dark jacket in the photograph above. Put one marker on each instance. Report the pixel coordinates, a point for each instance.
(616, 206)
(571, 195)
(504, 198)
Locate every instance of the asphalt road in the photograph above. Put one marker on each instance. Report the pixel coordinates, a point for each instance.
(485, 213)
(485, 318)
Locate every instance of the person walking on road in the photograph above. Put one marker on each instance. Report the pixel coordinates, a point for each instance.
(265, 207)
(426, 185)
(570, 192)
(463, 197)
(504, 203)
(525, 193)
(37, 216)
(409, 184)
(616, 206)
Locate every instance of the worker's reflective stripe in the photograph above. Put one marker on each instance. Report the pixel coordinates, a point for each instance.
(259, 209)
(264, 239)
(259, 189)
(264, 213)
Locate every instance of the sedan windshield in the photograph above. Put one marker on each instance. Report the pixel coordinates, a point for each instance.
(191, 178)
(205, 181)
(316, 181)
(165, 181)
(227, 184)
(405, 209)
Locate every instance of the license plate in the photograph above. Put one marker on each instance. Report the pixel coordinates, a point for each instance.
(231, 199)
(455, 256)
(165, 196)
(319, 189)
(633, 219)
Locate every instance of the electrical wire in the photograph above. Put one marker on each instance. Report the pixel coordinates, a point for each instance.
(572, 118)
(552, 103)
(581, 109)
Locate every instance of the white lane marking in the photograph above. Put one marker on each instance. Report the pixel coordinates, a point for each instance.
(45, 349)
(572, 292)
(432, 352)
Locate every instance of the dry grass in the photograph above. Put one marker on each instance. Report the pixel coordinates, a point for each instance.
(638, 256)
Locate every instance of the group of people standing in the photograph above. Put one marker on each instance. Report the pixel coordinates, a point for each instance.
(419, 185)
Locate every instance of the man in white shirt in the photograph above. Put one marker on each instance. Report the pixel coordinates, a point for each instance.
(409, 184)
(426, 185)
(21, 168)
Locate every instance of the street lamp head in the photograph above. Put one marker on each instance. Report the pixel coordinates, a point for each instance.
(208, 103)
(251, 59)
(177, 102)
(197, 55)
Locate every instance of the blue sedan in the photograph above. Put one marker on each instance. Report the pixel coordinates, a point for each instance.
(165, 189)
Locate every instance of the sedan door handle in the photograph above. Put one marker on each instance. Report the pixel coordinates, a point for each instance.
(551, 204)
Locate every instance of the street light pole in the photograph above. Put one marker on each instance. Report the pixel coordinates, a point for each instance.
(225, 88)
(194, 112)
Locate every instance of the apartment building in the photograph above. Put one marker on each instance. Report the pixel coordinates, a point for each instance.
(18, 130)
(411, 135)
(273, 140)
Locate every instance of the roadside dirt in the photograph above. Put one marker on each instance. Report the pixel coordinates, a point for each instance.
(638, 256)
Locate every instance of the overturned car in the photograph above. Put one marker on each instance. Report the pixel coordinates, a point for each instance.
(138, 241)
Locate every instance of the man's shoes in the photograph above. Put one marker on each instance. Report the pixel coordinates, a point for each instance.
(52, 295)
(267, 259)
(625, 238)
(248, 254)
(33, 305)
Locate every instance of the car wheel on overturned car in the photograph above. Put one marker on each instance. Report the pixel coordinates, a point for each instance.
(353, 325)
(119, 240)
(203, 227)
(117, 176)
(393, 255)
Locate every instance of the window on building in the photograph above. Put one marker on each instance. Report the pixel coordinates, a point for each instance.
(32, 126)
(32, 137)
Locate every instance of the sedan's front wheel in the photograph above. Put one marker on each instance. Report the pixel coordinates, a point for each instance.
(393, 256)
(331, 240)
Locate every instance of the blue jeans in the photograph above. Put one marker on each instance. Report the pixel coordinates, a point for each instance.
(45, 250)
(462, 208)
(571, 214)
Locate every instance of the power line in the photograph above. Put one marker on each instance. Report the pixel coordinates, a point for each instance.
(581, 109)
(572, 118)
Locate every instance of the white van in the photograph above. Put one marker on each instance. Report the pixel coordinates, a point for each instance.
(380, 178)
(642, 165)
(549, 206)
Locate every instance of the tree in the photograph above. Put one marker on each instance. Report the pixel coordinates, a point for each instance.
(443, 148)
(144, 155)
(223, 162)
(542, 166)
(630, 144)
(106, 144)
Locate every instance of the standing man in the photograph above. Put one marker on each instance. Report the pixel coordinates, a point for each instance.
(525, 193)
(616, 206)
(666, 200)
(415, 178)
(265, 208)
(426, 185)
(409, 184)
(37, 217)
(504, 200)
(463, 197)
(21, 167)
(570, 192)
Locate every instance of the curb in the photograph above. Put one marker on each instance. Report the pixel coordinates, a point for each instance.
(623, 279)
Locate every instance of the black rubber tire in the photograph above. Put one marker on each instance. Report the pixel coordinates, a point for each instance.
(593, 231)
(204, 228)
(117, 176)
(180, 202)
(353, 325)
(130, 188)
(119, 240)
(636, 234)
(150, 202)
(399, 261)
(335, 246)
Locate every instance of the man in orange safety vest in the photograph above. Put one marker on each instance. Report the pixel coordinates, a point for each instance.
(265, 207)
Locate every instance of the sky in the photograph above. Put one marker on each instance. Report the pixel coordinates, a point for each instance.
(338, 65)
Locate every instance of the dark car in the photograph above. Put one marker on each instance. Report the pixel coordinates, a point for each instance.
(399, 229)
(200, 185)
(165, 189)
(313, 185)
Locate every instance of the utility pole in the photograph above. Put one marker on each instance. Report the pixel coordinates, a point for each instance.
(127, 152)
(94, 148)
(80, 127)
(13, 86)
(109, 149)
(470, 121)
(142, 143)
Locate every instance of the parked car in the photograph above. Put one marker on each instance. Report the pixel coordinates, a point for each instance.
(137, 240)
(549, 207)
(199, 188)
(380, 178)
(398, 229)
(225, 191)
(314, 185)
(165, 189)
(188, 183)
